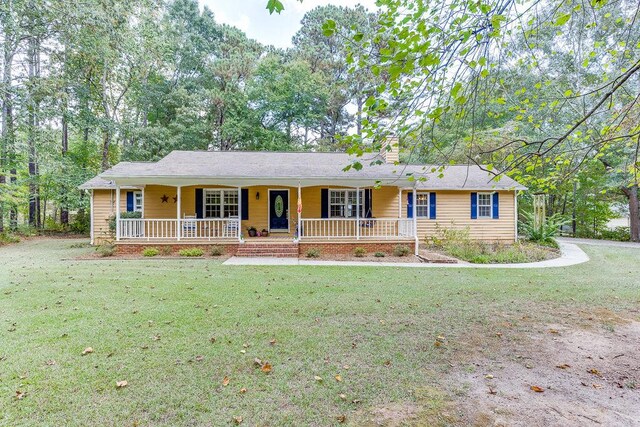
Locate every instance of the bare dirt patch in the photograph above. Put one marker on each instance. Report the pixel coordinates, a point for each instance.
(583, 377)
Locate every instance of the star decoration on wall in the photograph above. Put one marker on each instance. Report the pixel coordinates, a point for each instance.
(165, 198)
(175, 199)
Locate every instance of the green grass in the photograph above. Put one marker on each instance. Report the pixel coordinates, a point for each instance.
(381, 323)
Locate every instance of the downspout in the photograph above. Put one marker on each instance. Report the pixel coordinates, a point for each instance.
(91, 217)
(515, 214)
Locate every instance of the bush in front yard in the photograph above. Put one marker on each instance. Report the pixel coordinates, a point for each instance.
(401, 250)
(359, 252)
(216, 250)
(313, 253)
(379, 255)
(106, 249)
(191, 252)
(150, 252)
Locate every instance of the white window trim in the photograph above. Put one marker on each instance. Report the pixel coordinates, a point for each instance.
(490, 216)
(221, 192)
(427, 205)
(136, 207)
(346, 203)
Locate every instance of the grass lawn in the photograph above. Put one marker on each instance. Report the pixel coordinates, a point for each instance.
(174, 329)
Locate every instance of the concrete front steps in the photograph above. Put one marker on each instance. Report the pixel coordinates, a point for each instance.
(268, 249)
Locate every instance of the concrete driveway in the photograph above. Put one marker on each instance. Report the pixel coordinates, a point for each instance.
(597, 242)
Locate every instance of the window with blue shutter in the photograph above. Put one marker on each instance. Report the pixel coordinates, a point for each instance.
(324, 203)
(368, 212)
(432, 205)
(409, 205)
(199, 203)
(496, 206)
(244, 193)
(129, 201)
(474, 205)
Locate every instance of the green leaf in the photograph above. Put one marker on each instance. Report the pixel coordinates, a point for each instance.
(562, 19)
(274, 6)
(358, 37)
(329, 27)
(567, 93)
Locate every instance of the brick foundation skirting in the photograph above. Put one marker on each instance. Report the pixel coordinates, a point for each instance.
(136, 249)
(347, 248)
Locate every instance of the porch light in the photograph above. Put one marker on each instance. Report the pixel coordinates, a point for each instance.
(257, 195)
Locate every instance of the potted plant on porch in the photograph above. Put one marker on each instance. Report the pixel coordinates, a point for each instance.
(252, 231)
(264, 232)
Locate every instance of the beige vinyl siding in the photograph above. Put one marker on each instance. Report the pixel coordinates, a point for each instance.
(104, 206)
(453, 210)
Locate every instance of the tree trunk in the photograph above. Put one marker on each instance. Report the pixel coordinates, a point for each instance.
(34, 122)
(634, 211)
(106, 140)
(8, 131)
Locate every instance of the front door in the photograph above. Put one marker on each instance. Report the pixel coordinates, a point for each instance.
(279, 210)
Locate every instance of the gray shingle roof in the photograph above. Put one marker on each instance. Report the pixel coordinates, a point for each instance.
(309, 168)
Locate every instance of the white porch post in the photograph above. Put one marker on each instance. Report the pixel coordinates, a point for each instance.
(117, 212)
(178, 209)
(299, 213)
(240, 214)
(357, 213)
(414, 211)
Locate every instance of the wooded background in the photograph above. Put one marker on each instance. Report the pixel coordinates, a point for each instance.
(544, 91)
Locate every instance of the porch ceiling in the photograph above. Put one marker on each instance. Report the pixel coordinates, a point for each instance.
(248, 182)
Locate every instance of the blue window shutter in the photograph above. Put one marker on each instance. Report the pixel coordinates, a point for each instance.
(496, 205)
(474, 205)
(129, 201)
(324, 203)
(244, 193)
(432, 205)
(199, 203)
(409, 205)
(368, 213)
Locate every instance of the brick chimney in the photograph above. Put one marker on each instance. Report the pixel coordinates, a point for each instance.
(390, 150)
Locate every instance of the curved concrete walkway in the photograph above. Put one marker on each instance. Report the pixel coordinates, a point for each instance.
(570, 255)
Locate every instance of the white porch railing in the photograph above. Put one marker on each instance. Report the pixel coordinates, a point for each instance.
(202, 229)
(364, 228)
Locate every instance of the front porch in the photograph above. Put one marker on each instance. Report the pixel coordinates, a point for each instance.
(228, 229)
(216, 213)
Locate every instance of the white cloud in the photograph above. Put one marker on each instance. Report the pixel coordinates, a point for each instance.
(252, 17)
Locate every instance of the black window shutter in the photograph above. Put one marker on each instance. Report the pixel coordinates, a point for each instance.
(199, 203)
(129, 201)
(244, 193)
(324, 203)
(368, 213)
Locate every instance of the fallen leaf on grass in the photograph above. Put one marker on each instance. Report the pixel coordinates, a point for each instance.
(489, 376)
(225, 381)
(537, 389)
(212, 340)
(50, 362)
(553, 331)
(492, 391)
(243, 390)
(341, 418)
(121, 384)
(272, 342)
(317, 378)
(199, 358)
(563, 366)
(87, 350)
(339, 378)
(593, 371)
(237, 420)
(20, 395)
(343, 396)
(266, 368)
